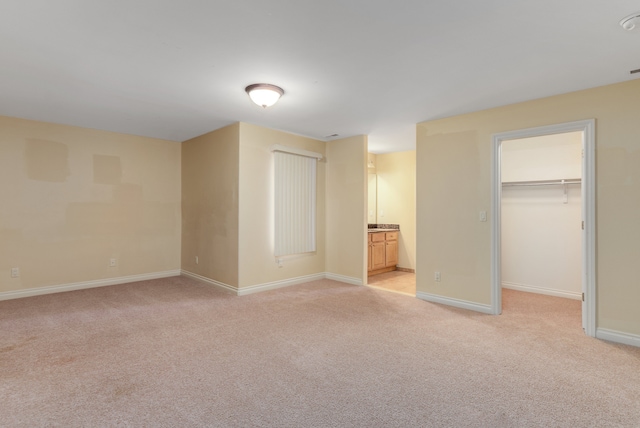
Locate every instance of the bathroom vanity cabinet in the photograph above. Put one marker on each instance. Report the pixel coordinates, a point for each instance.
(383, 251)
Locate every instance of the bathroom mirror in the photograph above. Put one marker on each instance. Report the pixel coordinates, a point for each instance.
(372, 205)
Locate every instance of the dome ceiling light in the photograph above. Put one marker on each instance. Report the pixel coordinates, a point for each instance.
(264, 94)
(631, 22)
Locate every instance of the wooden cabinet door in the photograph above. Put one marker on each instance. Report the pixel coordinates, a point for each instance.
(369, 255)
(378, 256)
(391, 253)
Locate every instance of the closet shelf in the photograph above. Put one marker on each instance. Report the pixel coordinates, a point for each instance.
(543, 182)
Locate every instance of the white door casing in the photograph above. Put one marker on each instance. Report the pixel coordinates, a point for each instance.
(587, 127)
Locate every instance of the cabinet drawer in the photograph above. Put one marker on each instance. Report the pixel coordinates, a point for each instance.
(392, 236)
(377, 237)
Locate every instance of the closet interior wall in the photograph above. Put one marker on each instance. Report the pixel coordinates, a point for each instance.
(541, 224)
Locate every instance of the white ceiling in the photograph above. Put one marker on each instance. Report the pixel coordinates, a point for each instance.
(177, 69)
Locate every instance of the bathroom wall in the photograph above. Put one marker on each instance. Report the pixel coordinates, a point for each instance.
(372, 189)
(396, 183)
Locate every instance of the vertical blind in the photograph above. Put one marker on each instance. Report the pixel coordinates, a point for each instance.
(295, 203)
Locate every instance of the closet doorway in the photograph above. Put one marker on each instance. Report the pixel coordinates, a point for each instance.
(543, 227)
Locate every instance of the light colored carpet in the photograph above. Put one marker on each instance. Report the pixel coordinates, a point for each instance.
(177, 353)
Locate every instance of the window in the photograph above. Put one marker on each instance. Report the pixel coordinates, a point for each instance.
(295, 201)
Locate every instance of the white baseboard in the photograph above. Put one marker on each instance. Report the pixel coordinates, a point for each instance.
(618, 337)
(17, 294)
(463, 304)
(342, 278)
(271, 285)
(221, 285)
(541, 290)
(279, 284)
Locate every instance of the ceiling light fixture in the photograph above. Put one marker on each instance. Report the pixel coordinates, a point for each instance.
(630, 22)
(264, 94)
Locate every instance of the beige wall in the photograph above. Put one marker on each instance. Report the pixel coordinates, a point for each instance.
(347, 207)
(396, 182)
(210, 211)
(257, 263)
(72, 198)
(371, 163)
(454, 183)
(548, 157)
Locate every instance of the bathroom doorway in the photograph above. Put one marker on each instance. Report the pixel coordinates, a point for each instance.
(392, 206)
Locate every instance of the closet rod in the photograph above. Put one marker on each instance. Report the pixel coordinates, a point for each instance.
(542, 182)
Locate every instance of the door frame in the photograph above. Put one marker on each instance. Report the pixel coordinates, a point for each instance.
(588, 190)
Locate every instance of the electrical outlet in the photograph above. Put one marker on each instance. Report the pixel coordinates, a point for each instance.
(279, 261)
(483, 216)
(196, 259)
(15, 272)
(112, 263)
(436, 276)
